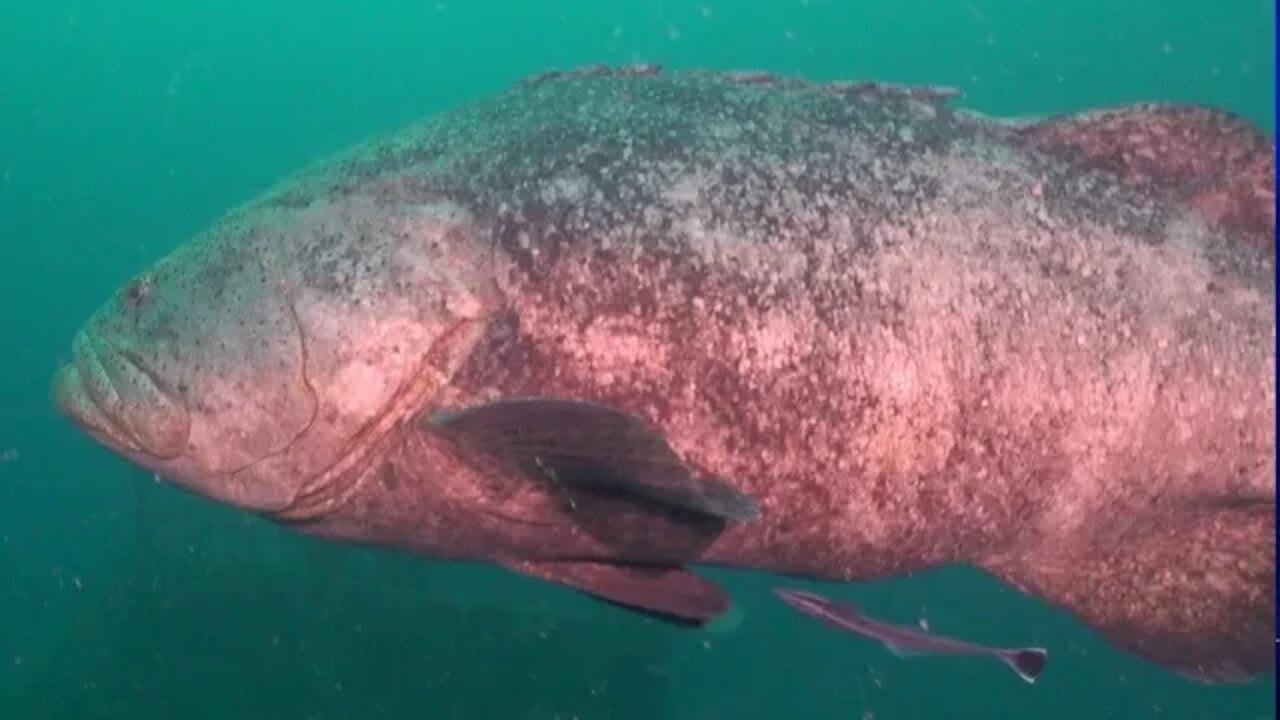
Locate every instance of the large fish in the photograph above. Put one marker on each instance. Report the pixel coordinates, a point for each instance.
(614, 323)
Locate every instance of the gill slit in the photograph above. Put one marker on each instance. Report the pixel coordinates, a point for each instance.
(333, 486)
(303, 359)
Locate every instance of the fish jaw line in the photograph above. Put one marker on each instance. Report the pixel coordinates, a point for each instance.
(73, 399)
(113, 397)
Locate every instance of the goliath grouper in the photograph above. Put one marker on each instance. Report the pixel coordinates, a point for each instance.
(617, 322)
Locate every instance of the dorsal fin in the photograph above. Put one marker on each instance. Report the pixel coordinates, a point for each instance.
(937, 94)
(596, 70)
(1212, 160)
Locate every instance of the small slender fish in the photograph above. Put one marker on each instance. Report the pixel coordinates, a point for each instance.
(903, 641)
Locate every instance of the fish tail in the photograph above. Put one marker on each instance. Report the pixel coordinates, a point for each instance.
(1215, 162)
(1027, 662)
(1147, 591)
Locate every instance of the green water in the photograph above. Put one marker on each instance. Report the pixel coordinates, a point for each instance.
(125, 127)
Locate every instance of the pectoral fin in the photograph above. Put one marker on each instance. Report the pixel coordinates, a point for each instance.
(900, 652)
(669, 592)
(589, 446)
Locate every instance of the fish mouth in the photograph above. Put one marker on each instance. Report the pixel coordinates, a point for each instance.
(116, 399)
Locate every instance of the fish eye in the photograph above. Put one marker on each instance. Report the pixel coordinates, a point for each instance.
(137, 292)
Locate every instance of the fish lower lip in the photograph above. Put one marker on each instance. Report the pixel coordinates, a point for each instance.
(73, 398)
(115, 398)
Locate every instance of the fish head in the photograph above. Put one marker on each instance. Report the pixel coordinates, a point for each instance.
(262, 361)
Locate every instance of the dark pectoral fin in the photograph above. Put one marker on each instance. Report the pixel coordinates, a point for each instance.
(1211, 160)
(591, 446)
(1194, 592)
(668, 592)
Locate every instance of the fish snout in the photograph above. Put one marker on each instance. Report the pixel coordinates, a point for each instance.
(113, 395)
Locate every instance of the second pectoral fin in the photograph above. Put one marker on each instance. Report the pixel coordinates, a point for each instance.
(669, 592)
(589, 446)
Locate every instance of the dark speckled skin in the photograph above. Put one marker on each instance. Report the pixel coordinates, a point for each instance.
(914, 334)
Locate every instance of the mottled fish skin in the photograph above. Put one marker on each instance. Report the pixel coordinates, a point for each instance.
(912, 334)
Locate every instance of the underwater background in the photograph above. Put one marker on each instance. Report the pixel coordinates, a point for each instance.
(127, 126)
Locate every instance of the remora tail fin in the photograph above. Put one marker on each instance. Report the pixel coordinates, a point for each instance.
(1028, 663)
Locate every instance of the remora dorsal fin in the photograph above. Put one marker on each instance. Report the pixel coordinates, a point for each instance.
(585, 445)
(669, 592)
(1212, 160)
(1194, 592)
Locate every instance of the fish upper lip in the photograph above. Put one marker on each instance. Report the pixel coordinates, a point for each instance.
(80, 385)
(73, 398)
